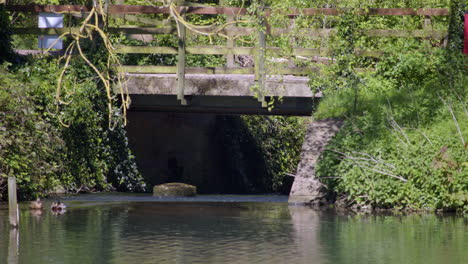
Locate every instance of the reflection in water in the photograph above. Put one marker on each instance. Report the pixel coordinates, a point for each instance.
(13, 246)
(58, 212)
(36, 213)
(425, 239)
(219, 232)
(306, 224)
(207, 233)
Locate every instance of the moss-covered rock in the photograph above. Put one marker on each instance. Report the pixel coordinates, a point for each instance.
(174, 189)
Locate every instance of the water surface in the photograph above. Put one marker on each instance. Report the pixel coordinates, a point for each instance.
(224, 229)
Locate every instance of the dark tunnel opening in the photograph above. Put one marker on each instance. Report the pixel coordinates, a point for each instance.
(216, 153)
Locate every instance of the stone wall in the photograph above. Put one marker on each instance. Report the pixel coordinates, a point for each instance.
(307, 189)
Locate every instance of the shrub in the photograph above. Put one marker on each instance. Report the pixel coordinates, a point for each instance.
(30, 146)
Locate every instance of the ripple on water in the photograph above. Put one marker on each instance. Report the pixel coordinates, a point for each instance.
(118, 197)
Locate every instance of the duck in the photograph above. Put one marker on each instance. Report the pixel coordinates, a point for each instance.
(58, 206)
(36, 205)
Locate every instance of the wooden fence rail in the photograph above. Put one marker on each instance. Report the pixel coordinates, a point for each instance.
(213, 10)
(240, 31)
(223, 50)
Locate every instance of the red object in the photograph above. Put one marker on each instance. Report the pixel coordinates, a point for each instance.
(465, 49)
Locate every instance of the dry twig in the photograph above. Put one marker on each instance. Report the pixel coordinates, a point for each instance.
(369, 163)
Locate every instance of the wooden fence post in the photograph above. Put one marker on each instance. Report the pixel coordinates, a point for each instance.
(120, 2)
(181, 62)
(229, 42)
(260, 71)
(13, 202)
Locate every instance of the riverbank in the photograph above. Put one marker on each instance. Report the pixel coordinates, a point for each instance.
(72, 200)
(403, 145)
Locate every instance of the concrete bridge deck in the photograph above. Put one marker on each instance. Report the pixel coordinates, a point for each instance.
(221, 93)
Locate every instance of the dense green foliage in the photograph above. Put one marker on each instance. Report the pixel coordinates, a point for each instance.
(279, 140)
(30, 145)
(46, 145)
(50, 140)
(403, 144)
(256, 154)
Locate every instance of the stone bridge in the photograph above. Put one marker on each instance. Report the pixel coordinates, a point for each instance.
(233, 94)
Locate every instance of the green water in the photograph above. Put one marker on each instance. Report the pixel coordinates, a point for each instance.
(225, 229)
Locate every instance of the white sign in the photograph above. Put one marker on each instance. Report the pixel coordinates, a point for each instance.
(46, 42)
(50, 20)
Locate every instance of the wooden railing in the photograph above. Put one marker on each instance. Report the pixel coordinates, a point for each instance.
(257, 51)
(232, 30)
(213, 10)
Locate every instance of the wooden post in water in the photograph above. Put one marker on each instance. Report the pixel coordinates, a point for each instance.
(13, 202)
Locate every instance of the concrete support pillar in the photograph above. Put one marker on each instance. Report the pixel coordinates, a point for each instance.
(307, 189)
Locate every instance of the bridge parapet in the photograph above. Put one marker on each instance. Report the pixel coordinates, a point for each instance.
(221, 93)
(219, 85)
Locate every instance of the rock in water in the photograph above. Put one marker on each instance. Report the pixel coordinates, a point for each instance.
(174, 189)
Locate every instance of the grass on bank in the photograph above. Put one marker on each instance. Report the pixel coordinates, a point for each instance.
(405, 143)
